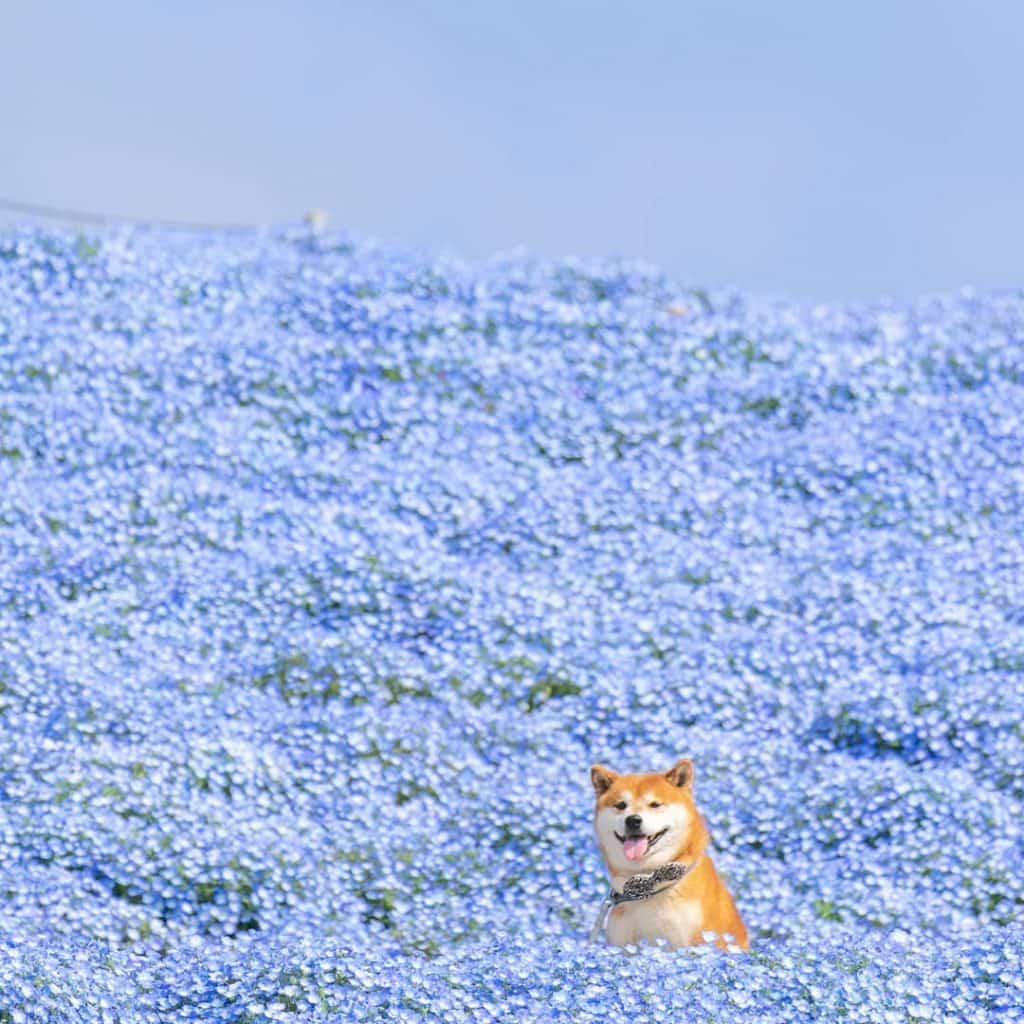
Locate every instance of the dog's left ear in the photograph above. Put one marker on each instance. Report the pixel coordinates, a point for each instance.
(681, 773)
(601, 778)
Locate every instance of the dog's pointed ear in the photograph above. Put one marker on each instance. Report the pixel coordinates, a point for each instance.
(601, 778)
(681, 773)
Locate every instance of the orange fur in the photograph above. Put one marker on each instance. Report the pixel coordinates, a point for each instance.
(701, 901)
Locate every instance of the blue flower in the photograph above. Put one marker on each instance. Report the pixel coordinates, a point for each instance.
(327, 569)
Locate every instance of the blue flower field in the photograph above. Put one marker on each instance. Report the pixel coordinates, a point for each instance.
(327, 570)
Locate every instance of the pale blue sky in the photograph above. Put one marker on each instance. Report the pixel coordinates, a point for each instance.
(817, 149)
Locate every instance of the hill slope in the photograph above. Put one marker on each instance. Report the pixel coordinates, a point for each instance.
(326, 571)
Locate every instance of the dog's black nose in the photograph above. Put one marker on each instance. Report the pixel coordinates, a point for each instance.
(633, 822)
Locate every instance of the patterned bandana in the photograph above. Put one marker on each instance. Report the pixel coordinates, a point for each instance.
(641, 887)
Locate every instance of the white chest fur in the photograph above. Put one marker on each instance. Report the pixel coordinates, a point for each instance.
(675, 920)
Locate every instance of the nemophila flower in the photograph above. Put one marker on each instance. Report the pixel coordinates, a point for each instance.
(327, 569)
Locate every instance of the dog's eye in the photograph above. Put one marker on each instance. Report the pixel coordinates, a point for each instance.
(621, 805)
(654, 803)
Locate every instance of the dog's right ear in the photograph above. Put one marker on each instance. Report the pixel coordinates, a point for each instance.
(601, 778)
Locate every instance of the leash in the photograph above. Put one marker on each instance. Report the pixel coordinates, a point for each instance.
(641, 887)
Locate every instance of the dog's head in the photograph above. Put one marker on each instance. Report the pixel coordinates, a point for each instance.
(644, 821)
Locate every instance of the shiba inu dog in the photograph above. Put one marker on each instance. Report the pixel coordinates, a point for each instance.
(655, 845)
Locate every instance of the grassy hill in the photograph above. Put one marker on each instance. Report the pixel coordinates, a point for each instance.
(328, 569)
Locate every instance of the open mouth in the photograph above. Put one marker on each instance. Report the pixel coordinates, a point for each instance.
(637, 847)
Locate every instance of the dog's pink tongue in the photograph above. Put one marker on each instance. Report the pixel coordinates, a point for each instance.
(634, 849)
